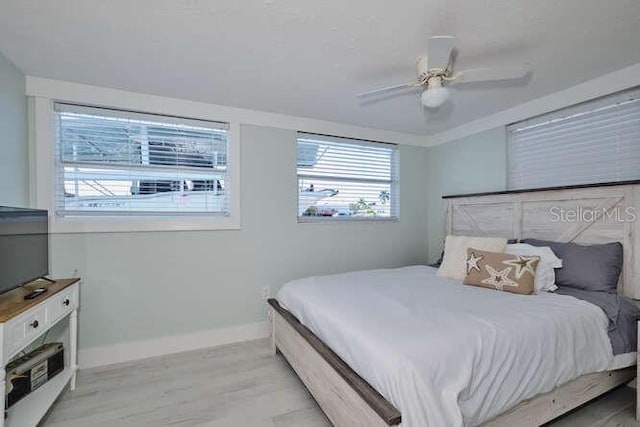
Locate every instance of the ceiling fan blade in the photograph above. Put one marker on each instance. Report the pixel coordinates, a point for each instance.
(439, 52)
(488, 74)
(386, 90)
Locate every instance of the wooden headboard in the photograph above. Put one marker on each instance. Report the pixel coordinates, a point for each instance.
(581, 214)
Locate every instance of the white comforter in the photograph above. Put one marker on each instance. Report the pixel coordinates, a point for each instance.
(447, 354)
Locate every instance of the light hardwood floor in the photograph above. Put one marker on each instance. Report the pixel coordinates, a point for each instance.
(235, 385)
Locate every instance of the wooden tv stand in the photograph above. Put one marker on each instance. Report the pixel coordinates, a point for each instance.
(22, 322)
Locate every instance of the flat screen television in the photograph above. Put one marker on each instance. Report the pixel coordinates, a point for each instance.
(24, 246)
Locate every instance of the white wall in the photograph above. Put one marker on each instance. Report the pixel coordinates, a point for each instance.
(140, 286)
(13, 136)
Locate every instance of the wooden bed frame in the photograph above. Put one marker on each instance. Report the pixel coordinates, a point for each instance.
(348, 400)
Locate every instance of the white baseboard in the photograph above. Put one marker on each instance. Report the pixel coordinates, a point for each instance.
(128, 351)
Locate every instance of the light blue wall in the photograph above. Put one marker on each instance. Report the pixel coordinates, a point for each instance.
(13, 136)
(476, 163)
(146, 285)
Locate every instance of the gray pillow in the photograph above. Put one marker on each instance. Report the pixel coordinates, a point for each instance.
(587, 267)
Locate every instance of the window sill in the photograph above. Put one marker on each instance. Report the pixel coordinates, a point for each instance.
(344, 219)
(140, 224)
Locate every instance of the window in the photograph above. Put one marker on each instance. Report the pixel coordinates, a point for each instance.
(111, 163)
(346, 178)
(597, 141)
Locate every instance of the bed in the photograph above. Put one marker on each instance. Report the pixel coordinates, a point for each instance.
(402, 346)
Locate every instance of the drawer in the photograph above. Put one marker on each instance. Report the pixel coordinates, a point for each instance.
(22, 329)
(62, 304)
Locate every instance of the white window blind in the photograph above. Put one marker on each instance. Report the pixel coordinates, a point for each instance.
(594, 142)
(112, 162)
(346, 178)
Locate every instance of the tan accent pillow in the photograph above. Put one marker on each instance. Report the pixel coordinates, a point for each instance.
(504, 272)
(455, 253)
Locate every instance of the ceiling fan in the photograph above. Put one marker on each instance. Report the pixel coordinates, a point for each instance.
(435, 72)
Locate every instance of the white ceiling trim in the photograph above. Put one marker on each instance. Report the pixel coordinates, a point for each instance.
(604, 85)
(100, 96)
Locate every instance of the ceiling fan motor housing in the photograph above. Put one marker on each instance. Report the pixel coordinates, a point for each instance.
(425, 75)
(435, 81)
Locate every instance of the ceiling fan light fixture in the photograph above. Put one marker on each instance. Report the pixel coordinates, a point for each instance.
(435, 96)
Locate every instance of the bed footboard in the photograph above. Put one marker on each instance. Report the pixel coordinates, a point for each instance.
(346, 398)
(546, 407)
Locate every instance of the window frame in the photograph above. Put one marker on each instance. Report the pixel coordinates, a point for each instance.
(43, 175)
(394, 182)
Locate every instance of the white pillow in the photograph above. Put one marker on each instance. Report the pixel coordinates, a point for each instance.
(545, 279)
(455, 253)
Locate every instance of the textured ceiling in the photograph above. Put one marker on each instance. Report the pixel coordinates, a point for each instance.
(310, 58)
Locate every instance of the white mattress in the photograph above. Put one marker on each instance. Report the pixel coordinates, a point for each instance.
(446, 354)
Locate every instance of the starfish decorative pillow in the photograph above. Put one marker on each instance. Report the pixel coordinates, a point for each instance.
(501, 271)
